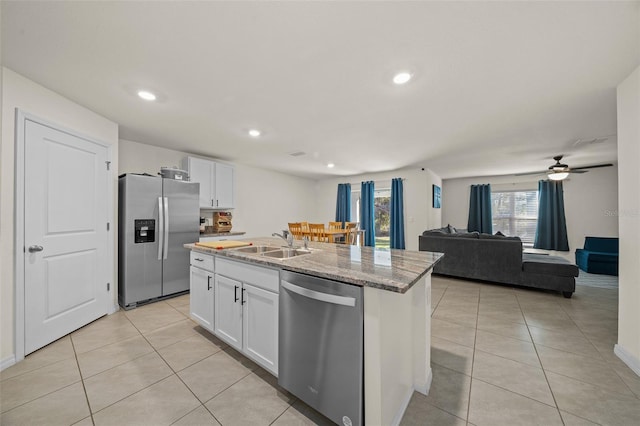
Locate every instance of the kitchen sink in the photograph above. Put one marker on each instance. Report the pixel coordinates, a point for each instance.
(257, 249)
(286, 253)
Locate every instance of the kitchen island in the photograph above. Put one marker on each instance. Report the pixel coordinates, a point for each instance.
(396, 288)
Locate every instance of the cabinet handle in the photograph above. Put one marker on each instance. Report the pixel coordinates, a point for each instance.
(235, 293)
(217, 203)
(242, 302)
(198, 259)
(212, 202)
(208, 282)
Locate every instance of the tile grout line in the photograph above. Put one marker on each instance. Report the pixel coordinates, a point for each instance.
(544, 372)
(139, 390)
(602, 358)
(473, 357)
(84, 388)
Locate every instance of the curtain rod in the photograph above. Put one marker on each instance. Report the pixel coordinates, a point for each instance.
(375, 181)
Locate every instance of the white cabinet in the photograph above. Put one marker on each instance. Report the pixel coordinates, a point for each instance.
(201, 296)
(228, 311)
(224, 186)
(202, 171)
(246, 310)
(216, 182)
(260, 326)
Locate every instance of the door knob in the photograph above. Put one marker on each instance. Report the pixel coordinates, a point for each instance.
(33, 249)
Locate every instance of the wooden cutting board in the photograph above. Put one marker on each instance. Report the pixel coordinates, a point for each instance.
(223, 244)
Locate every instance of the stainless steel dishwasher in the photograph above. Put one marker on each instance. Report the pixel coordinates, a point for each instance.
(321, 345)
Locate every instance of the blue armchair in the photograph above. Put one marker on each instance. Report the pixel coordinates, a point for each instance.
(599, 256)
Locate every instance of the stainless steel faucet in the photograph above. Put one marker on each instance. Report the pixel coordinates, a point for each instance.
(287, 236)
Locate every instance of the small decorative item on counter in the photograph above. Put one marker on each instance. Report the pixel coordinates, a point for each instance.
(222, 221)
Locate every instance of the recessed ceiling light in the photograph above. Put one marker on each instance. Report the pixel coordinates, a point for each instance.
(401, 78)
(147, 96)
(254, 133)
(331, 165)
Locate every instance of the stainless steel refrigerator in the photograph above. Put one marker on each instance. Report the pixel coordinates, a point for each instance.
(156, 217)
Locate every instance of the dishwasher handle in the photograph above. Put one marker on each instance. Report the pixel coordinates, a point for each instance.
(317, 295)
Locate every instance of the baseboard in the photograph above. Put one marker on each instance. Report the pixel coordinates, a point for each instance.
(632, 362)
(115, 308)
(403, 407)
(7, 362)
(425, 389)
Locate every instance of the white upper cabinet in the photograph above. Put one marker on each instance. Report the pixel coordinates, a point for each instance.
(216, 182)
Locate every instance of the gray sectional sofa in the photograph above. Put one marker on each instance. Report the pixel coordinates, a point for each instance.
(498, 259)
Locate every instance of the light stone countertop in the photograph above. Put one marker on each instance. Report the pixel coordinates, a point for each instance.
(222, 234)
(392, 270)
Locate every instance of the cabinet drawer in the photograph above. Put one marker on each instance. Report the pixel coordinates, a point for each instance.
(258, 276)
(201, 260)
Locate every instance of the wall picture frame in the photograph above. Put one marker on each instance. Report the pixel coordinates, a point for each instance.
(437, 197)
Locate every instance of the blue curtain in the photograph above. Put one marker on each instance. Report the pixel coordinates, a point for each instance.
(367, 214)
(397, 214)
(480, 209)
(343, 204)
(551, 232)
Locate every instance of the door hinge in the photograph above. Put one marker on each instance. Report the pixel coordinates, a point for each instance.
(108, 226)
(108, 286)
(108, 165)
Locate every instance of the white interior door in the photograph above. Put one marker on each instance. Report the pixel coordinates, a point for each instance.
(65, 233)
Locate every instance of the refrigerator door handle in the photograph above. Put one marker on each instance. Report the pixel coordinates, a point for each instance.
(160, 228)
(166, 226)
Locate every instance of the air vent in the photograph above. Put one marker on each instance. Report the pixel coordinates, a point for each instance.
(297, 154)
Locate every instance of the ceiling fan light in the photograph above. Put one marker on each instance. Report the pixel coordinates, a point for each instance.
(558, 175)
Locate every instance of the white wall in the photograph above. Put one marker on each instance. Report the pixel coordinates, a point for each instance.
(590, 202)
(419, 215)
(628, 347)
(19, 92)
(265, 200)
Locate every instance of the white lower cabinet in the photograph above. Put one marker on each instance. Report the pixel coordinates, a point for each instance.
(228, 311)
(260, 327)
(201, 295)
(246, 310)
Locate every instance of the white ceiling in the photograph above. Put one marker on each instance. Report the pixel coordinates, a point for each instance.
(499, 87)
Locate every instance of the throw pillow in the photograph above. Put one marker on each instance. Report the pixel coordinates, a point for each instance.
(451, 229)
(499, 233)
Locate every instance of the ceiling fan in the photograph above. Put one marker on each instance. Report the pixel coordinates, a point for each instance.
(559, 171)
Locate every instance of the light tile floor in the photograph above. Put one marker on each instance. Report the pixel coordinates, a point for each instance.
(500, 356)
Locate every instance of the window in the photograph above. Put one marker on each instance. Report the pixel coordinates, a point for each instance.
(515, 213)
(382, 209)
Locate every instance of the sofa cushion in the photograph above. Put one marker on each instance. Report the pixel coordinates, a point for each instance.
(498, 237)
(473, 234)
(596, 256)
(601, 244)
(548, 265)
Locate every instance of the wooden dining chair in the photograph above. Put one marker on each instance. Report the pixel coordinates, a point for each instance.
(305, 227)
(316, 231)
(352, 234)
(337, 226)
(296, 230)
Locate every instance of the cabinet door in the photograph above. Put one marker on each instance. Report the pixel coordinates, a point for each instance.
(201, 297)
(224, 186)
(260, 327)
(202, 171)
(228, 310)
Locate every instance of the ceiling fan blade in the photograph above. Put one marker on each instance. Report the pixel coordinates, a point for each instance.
(595, 166)
(531, 173)
(578, 171)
